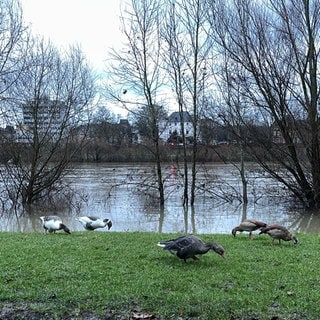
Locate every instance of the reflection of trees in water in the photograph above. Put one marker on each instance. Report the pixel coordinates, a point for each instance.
(17, 220)
(244, 211)
(187, 212)
(142, 182)
(218, 185)
(223, 184)
(308, 222)
(145, 188)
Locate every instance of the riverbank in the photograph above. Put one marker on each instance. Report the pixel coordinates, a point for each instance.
(104, 153)
(103, 275)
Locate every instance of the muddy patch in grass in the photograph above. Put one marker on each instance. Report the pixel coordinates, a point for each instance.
(16, 311)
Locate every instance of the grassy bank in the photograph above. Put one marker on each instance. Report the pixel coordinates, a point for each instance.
(126, 274)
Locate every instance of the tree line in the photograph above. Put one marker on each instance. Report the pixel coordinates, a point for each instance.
(240, 65)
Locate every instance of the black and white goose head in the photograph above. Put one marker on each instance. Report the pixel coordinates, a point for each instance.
(92, 223)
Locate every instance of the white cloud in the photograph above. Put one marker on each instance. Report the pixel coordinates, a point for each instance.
(93, 24)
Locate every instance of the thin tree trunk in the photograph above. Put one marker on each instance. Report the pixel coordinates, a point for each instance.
(185, 159)
(159, 177)
(243, 178)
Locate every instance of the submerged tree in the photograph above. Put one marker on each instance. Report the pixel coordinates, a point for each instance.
(138, 69)
(276, 47)
(51, 109)
(188, 51)
(234, 116)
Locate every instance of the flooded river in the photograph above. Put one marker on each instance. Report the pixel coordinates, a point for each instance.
(125, 194)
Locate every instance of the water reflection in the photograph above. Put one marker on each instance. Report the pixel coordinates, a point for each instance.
(112, 191)
(309, 222)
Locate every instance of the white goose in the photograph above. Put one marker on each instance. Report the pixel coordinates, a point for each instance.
(53, 224)
(92, 222)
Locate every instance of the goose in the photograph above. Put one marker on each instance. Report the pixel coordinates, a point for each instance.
(250, 226)
(276, 231)
(188, 246)
(92, 223)
(53, 224)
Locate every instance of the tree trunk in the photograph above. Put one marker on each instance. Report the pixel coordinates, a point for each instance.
(159, 175)
(243, 178)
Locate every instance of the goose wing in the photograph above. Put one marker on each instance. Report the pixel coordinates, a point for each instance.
(181, 244)
(258, 224)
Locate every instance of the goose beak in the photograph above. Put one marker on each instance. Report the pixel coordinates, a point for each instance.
(224, 255)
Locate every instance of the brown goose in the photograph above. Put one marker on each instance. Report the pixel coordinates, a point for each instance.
(189, 246)
(250, 226)
(279, 232)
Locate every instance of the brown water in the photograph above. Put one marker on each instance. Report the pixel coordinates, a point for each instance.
(116, 191)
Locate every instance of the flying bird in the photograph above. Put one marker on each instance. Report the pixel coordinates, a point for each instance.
(249, 226)
(276, 231)
(188, 246)
(52, 224)
(92, 222)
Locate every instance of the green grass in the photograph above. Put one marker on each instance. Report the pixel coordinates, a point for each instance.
(62, 274)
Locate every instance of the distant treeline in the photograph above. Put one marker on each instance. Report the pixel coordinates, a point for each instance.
(169, 153)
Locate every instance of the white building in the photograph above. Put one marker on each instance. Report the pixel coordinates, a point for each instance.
(171, 128)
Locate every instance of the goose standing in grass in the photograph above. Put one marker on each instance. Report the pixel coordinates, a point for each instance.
(276, 231)
(249, 226)
(53, 224)
(189, 246)
(92, 223)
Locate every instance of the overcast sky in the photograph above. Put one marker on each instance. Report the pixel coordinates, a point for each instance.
(93, 24)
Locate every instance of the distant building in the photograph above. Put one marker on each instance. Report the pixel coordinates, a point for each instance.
(295, 128)
(124, 132)
(171, 128)
(8, 133)
(44, 117)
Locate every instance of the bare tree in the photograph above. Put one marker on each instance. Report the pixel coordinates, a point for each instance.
(137, 68)
(14, 43)
(51, 111)
(176, 64)
(277, 45)
(234, 116)
(188, 50)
